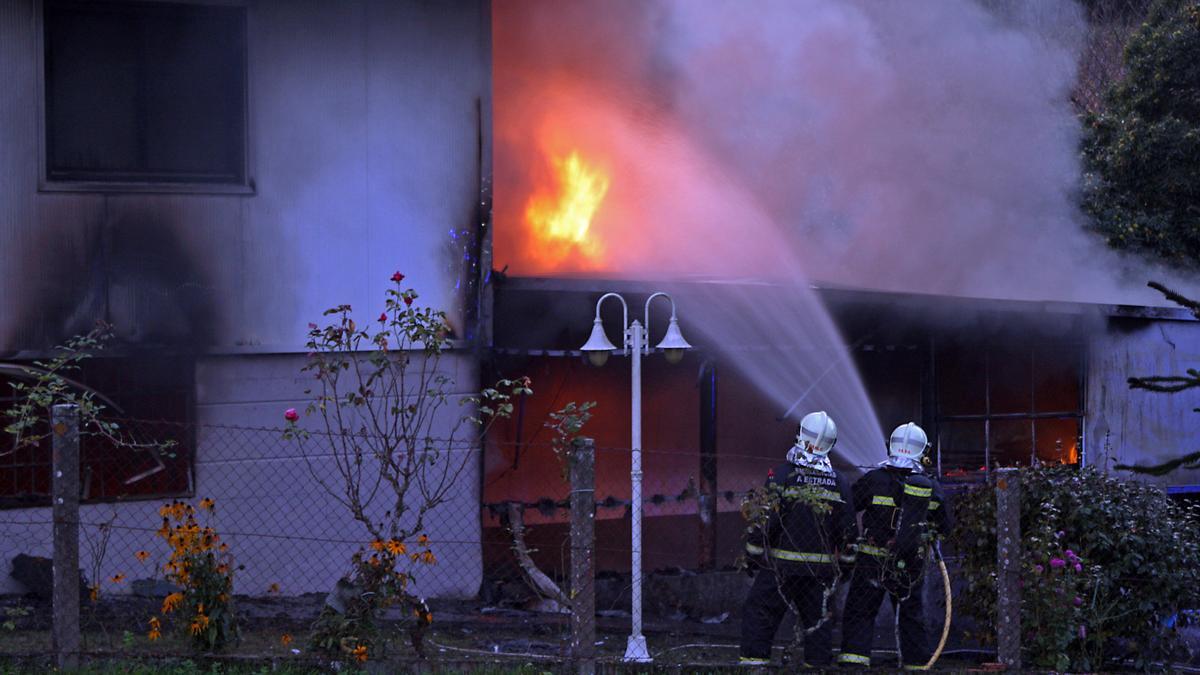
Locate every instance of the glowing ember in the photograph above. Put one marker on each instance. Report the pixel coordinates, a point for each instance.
(559, 220)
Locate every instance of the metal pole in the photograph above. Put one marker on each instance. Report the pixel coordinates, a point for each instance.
(708, 467)
(582, 464)
(64, 421)
(635, 649)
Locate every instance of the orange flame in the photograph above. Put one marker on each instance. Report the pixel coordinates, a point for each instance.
(559, 220)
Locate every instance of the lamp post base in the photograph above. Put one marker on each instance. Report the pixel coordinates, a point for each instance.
(636, 651)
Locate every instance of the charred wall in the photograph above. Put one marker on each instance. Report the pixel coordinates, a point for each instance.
(368, 149)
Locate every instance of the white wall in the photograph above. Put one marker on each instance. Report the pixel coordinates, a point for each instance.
(370, 137)
(1136, 426)
(279, 521)
(367, 119)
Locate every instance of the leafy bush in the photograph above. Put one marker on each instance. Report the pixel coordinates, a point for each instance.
(385, 402)
(1107, 564)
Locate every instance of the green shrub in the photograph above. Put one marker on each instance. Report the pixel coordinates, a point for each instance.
(1106, 565)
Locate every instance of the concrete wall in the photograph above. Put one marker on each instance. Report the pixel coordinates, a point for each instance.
(1136, 426)
(279, 521)
(370, 140)
(367, 123)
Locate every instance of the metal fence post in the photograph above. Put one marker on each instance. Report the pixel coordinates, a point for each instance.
(582, 468)
(1008, 567)
(64, 422)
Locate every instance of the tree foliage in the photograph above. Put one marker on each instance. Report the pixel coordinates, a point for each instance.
(1142, 149)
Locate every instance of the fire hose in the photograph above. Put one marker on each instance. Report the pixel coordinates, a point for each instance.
(937, 551)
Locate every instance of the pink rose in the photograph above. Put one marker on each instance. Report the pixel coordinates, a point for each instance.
(291, 415)
(1057, 563)
(1078, 567)
(1078, 601)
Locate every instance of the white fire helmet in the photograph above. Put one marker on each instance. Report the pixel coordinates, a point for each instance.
(814, 439)
(908, 442)
(818, 433)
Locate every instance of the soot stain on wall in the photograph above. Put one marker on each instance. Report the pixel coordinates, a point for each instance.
(133, 272)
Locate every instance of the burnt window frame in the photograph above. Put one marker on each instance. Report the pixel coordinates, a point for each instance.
(988, 417)
(95, 453)
(48, 184)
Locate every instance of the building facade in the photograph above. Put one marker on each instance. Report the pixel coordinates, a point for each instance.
(208, 177)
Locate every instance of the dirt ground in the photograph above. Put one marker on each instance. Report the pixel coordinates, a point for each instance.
(465, 636)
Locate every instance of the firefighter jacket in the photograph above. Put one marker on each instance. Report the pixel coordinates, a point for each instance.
(797, 539)
(900, 508)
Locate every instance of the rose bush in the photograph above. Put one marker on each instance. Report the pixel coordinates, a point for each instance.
(1108, 564)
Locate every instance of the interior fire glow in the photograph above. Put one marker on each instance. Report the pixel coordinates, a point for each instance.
(559, 218)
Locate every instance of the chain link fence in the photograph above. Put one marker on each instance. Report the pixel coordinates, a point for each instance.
(498, 579)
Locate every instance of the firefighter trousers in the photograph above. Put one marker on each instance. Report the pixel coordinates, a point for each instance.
(869, 582)
(767, 603)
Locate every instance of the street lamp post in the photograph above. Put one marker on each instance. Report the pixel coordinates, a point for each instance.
(635, 343)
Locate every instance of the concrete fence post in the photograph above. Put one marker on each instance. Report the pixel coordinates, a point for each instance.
(64, 424)
(582, 472)
(1008, 568)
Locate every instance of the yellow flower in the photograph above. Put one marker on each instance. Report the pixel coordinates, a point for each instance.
(360, 653)
(377, 545)
(395, 547)
(199, 624)
(172, 602)
(223, 548)
(422, 540)
(273, 588)
(427, 557)
(142, 555)
(207, 504)
(94, 592)
(155, 629)
(116, 579)
(285, 639)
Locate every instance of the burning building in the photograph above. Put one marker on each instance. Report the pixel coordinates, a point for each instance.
(854, 210)
(209, 176)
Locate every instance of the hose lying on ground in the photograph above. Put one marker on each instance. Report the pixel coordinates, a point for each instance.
(949, 608)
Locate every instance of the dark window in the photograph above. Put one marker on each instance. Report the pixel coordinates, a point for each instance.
(145, 92)
(150, 399)
(1009, 397)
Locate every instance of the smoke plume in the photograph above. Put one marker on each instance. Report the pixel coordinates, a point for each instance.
(924, 147)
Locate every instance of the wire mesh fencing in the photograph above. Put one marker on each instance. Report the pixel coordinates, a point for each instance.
(493, 554)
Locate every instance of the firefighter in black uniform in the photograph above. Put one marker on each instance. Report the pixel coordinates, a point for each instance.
(903, 509)
(793, 549)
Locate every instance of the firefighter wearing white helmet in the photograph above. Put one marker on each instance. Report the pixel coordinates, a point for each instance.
(793, 550)
(815, 437)
(902, 508)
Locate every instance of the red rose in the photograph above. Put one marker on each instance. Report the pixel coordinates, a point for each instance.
(397, 277)
(770, 473)
(291, 415)
(408, 300)
(383, 317)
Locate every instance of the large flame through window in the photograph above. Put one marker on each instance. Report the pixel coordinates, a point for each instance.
(559, 216)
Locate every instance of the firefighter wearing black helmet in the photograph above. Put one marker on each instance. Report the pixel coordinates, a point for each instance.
(794, 549)
(902, 509)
